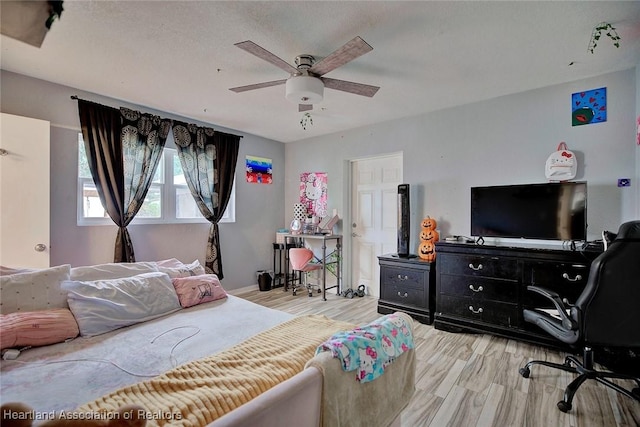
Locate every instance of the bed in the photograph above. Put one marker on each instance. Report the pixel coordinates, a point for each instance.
(119, 357)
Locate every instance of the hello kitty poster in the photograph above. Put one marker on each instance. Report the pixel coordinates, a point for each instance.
(313, 193)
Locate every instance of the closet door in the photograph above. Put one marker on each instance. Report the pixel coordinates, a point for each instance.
(24, 192)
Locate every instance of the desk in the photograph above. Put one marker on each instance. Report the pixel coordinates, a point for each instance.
(291, 238)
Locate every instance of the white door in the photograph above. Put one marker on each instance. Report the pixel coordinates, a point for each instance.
(24, 192)
(374, 220)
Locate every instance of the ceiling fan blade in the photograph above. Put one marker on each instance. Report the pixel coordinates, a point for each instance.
(258, 86)
(262, 53)
(350, 51)
(351, 87)
(304, 107)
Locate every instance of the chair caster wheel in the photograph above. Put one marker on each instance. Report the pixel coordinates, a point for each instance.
(294, 293)
(525, 372)
(564, 406)
(319, 291)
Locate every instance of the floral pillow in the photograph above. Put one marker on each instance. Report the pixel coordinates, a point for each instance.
(198, 289)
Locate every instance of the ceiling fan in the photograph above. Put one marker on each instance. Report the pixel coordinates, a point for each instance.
(305, 85)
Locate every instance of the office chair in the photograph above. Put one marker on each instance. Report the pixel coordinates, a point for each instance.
(299, 259)
(605, 316)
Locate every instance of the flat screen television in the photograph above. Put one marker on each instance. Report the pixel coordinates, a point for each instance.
(550, 211)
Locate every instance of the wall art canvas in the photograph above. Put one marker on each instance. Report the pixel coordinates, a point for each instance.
(313, 193)
(259, 170)
(589, 107)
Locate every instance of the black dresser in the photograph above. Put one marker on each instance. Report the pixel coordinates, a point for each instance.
(407, 285)
(482, 288)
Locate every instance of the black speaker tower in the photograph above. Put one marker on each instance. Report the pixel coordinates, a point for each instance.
(403, 220)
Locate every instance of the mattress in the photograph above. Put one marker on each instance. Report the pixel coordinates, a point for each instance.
(66, 375)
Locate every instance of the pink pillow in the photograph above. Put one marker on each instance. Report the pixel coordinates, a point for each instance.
(35, 328)
(198, 289)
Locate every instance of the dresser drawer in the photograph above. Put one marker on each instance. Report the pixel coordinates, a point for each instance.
(567, 279)
(403, 277)
(479, 288)
(496, 313)
(404, 295)
(481, 266)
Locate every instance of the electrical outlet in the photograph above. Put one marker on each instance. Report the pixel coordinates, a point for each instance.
(624, 182)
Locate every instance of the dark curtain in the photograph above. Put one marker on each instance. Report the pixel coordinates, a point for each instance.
(105, 130)
(143, 140)
(208, 161)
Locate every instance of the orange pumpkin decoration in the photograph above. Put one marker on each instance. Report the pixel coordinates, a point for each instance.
(427, 251)
(429, 223)
(430, 235)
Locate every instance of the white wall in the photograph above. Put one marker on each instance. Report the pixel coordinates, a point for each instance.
(246, 244)
(505, 140)
(636, 183)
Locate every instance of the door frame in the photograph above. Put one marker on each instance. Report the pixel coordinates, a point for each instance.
(347, 198)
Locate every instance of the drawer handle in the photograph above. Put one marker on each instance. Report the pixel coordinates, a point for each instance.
(479, 289)
(403, 295)
(473, 267)
(401, 277)
(478, 311)
(575, 279)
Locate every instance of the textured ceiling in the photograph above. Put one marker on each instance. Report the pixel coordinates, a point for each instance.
(179, 56)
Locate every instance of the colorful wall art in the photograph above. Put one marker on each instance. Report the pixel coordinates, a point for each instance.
(589, 107)
(259, 170)
(313, 193)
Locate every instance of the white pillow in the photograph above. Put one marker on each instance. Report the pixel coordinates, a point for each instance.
(193, 269)
(112, 270)
(34, 290)
(170, 262)
(104, 305)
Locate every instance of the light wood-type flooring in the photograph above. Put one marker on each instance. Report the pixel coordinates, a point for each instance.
(472, 379)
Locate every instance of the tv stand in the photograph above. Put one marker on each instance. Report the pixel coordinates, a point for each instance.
(482, 288)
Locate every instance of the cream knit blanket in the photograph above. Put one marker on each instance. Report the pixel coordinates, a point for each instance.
(201, 391)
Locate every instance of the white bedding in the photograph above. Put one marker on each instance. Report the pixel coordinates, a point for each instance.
(66, 375)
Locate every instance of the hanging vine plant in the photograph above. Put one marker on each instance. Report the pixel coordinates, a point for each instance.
(306, 121)
(608, 30)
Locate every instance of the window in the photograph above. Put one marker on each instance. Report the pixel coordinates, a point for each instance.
(168, 200)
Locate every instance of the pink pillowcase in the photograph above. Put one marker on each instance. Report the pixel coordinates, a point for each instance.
(198, 289)
(35, 328)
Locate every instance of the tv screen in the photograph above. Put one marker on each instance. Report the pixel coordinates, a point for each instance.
(551, 211)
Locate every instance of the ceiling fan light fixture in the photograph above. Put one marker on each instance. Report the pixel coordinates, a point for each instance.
(304, 90)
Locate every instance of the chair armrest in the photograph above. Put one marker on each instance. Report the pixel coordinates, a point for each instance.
(567, 322)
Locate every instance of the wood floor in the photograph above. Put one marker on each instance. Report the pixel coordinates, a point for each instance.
(473, 380)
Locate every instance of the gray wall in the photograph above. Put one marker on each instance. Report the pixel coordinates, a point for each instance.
(505, 140)
(499, 141)
(637, 180)
(246, 244)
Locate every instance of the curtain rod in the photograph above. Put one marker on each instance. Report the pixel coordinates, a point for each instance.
(75, 97)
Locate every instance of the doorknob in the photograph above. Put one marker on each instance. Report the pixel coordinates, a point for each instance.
(40, 247)
(354, 234)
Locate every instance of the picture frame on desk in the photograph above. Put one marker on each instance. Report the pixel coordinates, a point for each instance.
(327, 226)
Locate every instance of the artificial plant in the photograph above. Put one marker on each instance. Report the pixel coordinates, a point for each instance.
(608, 30)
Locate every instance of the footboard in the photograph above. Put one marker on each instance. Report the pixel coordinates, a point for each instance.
(294, 402)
